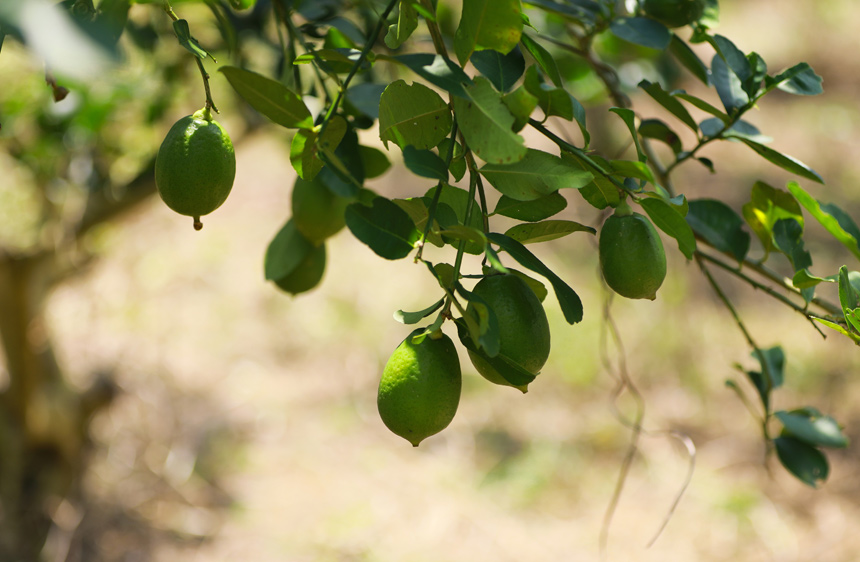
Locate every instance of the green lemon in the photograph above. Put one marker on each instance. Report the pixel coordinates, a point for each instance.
(307, 274)
(675, 13)
(632, 259)
(420, 387)
(317, 212)
(195, 166)
(524, 335)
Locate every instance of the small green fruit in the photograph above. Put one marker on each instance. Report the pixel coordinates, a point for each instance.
(420, 387)
(524, 335)
(195, 166)
(675, 13)
(632, 259)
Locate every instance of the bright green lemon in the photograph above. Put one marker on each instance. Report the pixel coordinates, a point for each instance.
(195, 166)
(420, 387)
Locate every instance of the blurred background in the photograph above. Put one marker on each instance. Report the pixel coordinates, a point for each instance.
(230, 421)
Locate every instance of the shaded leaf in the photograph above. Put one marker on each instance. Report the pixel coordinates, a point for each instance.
(488, 24)
(669, 102)
(437, 70)
(784, 161)
(536, 175)
(415, 317)
(670, 221)
(689, 59)
(543, 58)
(502, 70)
(531, 211)
(413, 115)
(805, 462)
(486, 124)
(720, 226)
(641, 31)
(285, 252)
(425, 163)
(384, 227)
(530, 233)
(812, 428)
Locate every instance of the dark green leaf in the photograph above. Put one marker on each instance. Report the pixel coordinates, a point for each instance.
(413, 115)
(437, 70)
(734, 57)
(384, 227)
(788, 238)
(689, 59)
(772, 362)
(642, 31)
(669, 102)
(530, 233)
(658, 130)
(374, 161)
(502, 70)
(784, 161)
(521, 104)
(629, 118)
(703, 105)
(536, 175)
(670, 221)
(601, 193)
(272, 99)
(807, 463)
(285, 252)
(425, 163)
(812, 429)
(849, 297)
(365, 97)
(800, 80)
(458, 200)
(844, 220)
(728, 85)
(183, 34)
(543, 58)
(571, 305)
(407, 22)
(720, 226)
(531, 211)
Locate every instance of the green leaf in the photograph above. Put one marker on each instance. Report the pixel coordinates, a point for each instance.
(812, 429)
(407, 22)
(734, 57)
(571, 305)
(803, 279)
(365, 98)
(772, 362)
(629, 118)
(784, 161)
(521, 104)
(413, 115)
(502, 70)
(641, 31)
(437, 70)
(828, 221)
(425, 163)
(482, 323)
(844, 220)
(272, 99)
(703, 105)
(415, 317)
(788, 238)
(384, 227)
(183, 34)
(658, 130)
(632, 169)
(458, 200)
(669, 102)
(728, 85)
(531, 211)
(486, 124)
(338, 61)
(531, 233)
(536, 175)
(838, 328)
(766, 206)
(799, 80)
(543, 58)
(601, 193)
(374, 160)
(720, 226)
(307, 143)
(670, 221)
(285, 252)
(488, 24)
(805, 462)
(689, 59)
(849, 297)
(556, 101)
(538, 288)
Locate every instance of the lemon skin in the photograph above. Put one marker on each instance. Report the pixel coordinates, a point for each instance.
(195, 166)
(632, 258)
(419, 391)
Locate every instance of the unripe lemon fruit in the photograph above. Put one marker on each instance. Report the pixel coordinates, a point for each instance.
(420, 387)
(317, 212)
(524, 335)
(195, 166)
(632, 259)
(675, 13)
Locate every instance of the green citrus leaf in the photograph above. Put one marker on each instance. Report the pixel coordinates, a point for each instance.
(669, 220)
(812, 429)
(502, 70)
(805, 462)
(272, 99)
(531, 233)
(415, 317)
(488, 24)
(642, 31)
(285, 252)
(543, 58)
(486, 124)
(413, 115)
(828, 221)
(784, 161)
(536, 175)
(407, 22)
(531, 211)
(720, 226)
(437, 70)
(384, 227)
(670, 103)
(425, 163)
